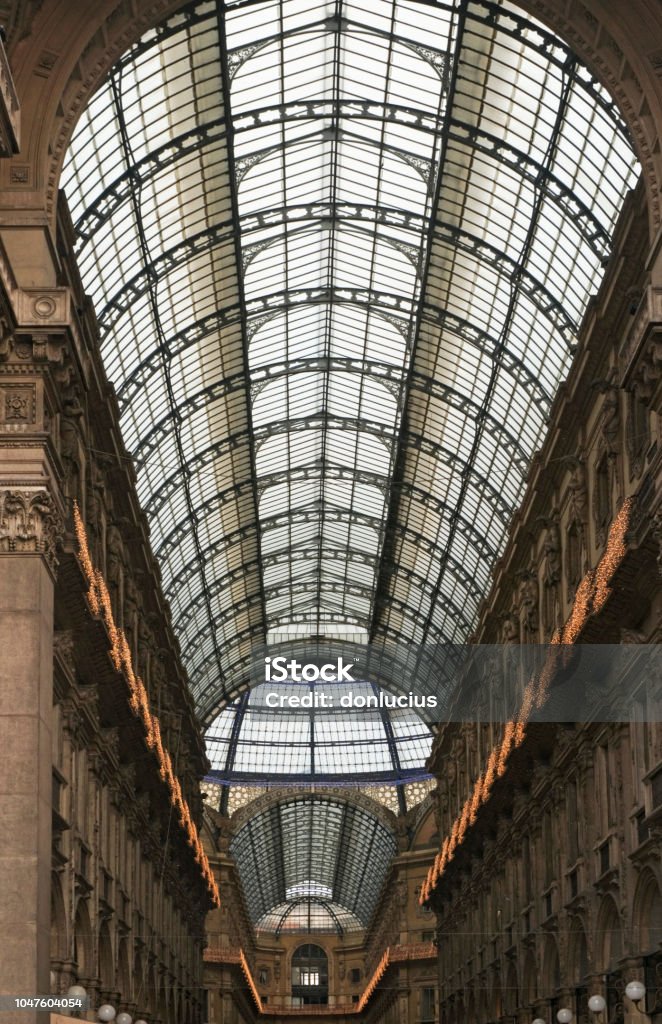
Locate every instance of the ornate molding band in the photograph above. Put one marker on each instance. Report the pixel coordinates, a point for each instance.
(30, 523)
(641, 352)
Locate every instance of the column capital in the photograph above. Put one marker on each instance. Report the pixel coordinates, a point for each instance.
(30, 522)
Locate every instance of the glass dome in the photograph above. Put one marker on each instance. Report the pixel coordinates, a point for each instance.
(261, 739)
(308, 914)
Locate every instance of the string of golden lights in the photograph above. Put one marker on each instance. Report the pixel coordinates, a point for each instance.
(377, 976)
(591, 596)
(249, 979)
(100, 605)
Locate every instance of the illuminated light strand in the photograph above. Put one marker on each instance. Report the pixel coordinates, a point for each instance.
(377, 976)
(590, 598)
(120, 655)
(249, 978)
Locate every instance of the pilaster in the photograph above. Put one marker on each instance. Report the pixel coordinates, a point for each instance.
(31, 525)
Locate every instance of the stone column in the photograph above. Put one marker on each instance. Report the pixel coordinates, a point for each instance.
(31, 517)
(27, 538)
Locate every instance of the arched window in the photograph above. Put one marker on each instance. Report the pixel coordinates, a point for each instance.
(648, 914)
(310, 975)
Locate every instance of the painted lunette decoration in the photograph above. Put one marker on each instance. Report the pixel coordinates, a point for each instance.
(99, 601)
(590, 598)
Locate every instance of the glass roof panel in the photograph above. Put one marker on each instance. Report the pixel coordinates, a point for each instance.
(322, 744)
(342, 246)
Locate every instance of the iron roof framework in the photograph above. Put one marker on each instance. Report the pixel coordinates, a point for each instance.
(251, 742)
(312, 864)
(345, 259)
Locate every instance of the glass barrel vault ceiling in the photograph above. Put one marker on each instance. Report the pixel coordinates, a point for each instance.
(339, 255)
(312, 864)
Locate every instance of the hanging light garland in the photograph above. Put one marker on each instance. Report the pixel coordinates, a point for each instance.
(375, 979)
(249, 979)
(100, 604)
(590, 598)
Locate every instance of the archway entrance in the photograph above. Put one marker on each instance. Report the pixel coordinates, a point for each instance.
(310, 976)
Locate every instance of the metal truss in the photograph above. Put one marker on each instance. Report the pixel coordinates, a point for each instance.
(216, 236)
(198, 332)
(413, 440)
(300, 516)
(187, 613)
(387, 374)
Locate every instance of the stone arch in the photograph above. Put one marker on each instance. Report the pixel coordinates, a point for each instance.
(424, 825)
(59, 931)
(578, 965)
(647, 914)
(609, 935)
(123, 984)
(551, 971)
(483, 1008)
(337, 793)
(83, 953)
(511, 994)
(60, 52)
(106, 959)
(496, 1002)
(529, 980)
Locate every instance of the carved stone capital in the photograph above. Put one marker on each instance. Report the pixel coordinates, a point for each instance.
(30, 522)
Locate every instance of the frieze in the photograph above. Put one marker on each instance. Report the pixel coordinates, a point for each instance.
(38, 347)
(30, 523)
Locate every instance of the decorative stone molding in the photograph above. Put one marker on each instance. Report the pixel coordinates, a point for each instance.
(39, 347)
(18, 405)
(42, 307)
(63, 648)
(641, 353)
(30, 523)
